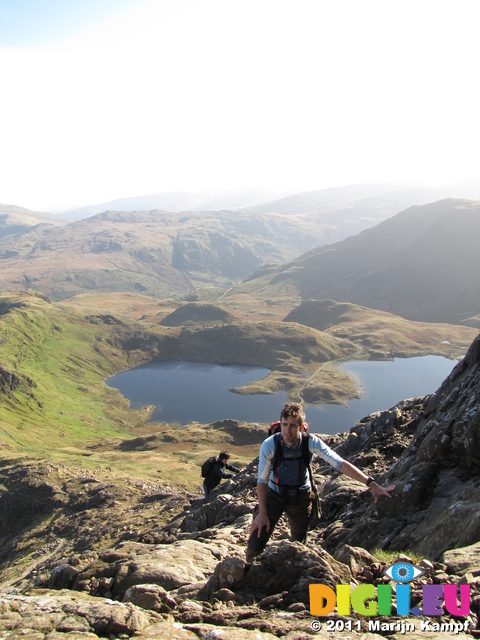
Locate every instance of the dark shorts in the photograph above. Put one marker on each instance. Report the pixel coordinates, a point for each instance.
(298, 510)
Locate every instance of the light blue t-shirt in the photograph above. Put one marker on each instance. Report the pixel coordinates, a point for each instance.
(267, 451)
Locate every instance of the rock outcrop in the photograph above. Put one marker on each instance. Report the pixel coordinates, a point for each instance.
(146, 561)
(10, 382)
(195, 313)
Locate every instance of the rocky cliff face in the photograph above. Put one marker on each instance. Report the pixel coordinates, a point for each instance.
(91, 557)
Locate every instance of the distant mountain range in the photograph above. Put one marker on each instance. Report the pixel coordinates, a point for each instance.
(164, 253)
(175, 201)
(156, 253)
(377, 201)
(422, 264)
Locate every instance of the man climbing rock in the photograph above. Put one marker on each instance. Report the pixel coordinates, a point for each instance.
(284, 480)
(214, 470)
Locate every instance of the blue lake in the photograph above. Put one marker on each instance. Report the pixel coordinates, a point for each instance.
(184, 392)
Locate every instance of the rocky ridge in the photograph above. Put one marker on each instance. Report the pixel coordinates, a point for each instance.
(88, 556)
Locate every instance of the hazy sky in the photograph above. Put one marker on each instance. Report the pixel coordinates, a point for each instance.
(104, 99)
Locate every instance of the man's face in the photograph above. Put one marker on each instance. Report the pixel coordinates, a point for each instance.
(291, 428)
(224, 461)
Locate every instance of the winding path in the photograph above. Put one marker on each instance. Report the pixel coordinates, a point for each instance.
(344, 359)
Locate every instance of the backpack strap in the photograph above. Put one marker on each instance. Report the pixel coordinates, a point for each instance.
(307, 455)
(278, 453)
(307, 458)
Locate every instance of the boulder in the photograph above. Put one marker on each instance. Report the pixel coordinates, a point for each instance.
(463, 560)
(169, 566)
(151, 597)
(69, 612)
(283, 568)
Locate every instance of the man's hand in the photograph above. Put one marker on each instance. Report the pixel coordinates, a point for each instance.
(258, 523)
(354, 472)
(378, 491)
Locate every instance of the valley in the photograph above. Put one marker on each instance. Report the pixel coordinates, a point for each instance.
(60, 355)
(420, 263)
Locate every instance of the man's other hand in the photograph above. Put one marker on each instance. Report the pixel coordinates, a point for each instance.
(258, 523)
(378, 491)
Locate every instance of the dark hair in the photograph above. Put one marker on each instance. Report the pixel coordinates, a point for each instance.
(293, 410)
(224, 454)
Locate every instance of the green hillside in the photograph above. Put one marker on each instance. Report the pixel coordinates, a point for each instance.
(53, 367)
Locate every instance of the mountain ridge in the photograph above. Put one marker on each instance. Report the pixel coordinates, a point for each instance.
(16, 220)
(421, 264)
(157, 252)
(393, 196)
(394, 266)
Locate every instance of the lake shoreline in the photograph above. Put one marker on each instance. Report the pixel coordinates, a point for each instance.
(182, 390)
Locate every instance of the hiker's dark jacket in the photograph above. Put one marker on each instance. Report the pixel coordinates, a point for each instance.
(217, 473)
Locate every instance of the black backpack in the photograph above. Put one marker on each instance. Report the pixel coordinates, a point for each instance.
(207, 466)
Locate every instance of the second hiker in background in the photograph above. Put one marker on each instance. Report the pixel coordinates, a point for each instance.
(213, 470)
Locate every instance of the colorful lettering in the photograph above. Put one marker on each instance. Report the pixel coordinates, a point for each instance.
(450, 595)
(322, 599)
(360, 596)
(432, 599)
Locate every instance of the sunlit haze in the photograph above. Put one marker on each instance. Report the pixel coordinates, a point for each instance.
(103, 100)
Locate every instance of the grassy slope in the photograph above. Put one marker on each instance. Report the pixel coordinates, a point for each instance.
(66, 361)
